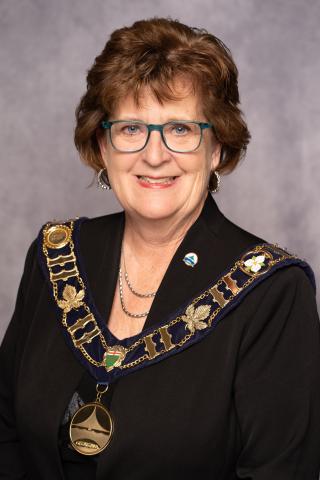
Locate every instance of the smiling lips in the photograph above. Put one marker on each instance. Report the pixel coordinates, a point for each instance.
(156, 182)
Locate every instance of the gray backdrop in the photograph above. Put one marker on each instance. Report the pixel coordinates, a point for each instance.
(46, 48)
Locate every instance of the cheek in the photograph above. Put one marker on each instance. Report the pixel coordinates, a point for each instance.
(120, 172)
(201, 165)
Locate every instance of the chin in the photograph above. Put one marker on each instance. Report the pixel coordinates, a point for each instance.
(157, 211)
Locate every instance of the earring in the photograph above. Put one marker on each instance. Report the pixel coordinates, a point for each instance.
(103, 180)
(214, 183)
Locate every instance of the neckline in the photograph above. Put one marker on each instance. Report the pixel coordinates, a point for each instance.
(100, 319)
(109, 266)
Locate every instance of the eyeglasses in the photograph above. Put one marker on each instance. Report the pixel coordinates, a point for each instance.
(132, 136)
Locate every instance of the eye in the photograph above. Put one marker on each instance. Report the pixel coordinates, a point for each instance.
(131, 129)
(180, 129)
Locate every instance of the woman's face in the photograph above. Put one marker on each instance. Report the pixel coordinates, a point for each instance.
(157, 183)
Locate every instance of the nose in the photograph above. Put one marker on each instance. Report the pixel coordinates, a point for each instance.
(155, 152)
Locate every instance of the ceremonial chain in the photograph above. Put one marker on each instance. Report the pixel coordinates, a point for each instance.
(198, 315)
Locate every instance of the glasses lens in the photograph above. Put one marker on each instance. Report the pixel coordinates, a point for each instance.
(182, 136)
(128, 136)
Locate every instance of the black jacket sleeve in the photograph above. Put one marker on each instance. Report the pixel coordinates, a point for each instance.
(277, 386)
(11, 461)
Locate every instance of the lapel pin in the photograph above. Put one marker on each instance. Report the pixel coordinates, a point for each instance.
(191, 259)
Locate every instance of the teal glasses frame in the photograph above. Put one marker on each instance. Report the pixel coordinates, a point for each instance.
(106, 125)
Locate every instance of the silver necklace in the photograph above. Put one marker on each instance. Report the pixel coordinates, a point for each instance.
(137, 294)
(123, 306)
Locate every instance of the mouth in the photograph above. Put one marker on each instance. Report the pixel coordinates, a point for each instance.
(157, 180)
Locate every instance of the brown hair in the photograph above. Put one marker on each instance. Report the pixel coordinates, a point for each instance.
(154, 53)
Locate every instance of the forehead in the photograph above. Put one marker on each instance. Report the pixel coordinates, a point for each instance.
(185, 105)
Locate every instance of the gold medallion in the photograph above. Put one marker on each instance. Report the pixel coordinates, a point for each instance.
(57, 236)
(91, 429)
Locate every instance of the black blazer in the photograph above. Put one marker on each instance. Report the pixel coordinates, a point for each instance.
(243, 403)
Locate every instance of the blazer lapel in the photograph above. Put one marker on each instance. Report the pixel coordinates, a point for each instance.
(100, 246)
(181, 282)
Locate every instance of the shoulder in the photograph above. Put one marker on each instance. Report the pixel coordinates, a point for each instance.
(99, 232)
(90, 230)
(285, 297)
(290, 286)
(94, 224)
(287, 282)
(112, 220)
(235, 241)
(229, 239)
(281, 318)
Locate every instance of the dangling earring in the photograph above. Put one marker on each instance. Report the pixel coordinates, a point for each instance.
(214, 182)
(103, 180)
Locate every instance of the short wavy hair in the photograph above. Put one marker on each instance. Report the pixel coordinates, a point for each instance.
(153, 53)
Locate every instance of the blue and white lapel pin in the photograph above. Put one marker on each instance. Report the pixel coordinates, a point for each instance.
(190, 259)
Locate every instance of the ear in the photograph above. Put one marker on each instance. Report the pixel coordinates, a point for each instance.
(216, 155)
(102, 142)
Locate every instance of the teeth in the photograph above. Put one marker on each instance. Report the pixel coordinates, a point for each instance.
(157, 180)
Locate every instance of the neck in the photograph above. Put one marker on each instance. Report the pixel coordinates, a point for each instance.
(145, 237)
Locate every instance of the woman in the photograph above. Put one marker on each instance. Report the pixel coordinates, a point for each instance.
(163, 341)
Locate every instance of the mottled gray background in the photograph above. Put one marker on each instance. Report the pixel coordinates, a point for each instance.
(47, 46)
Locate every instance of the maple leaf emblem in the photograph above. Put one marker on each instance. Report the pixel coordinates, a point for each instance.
(194, 317)
(71, 298)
